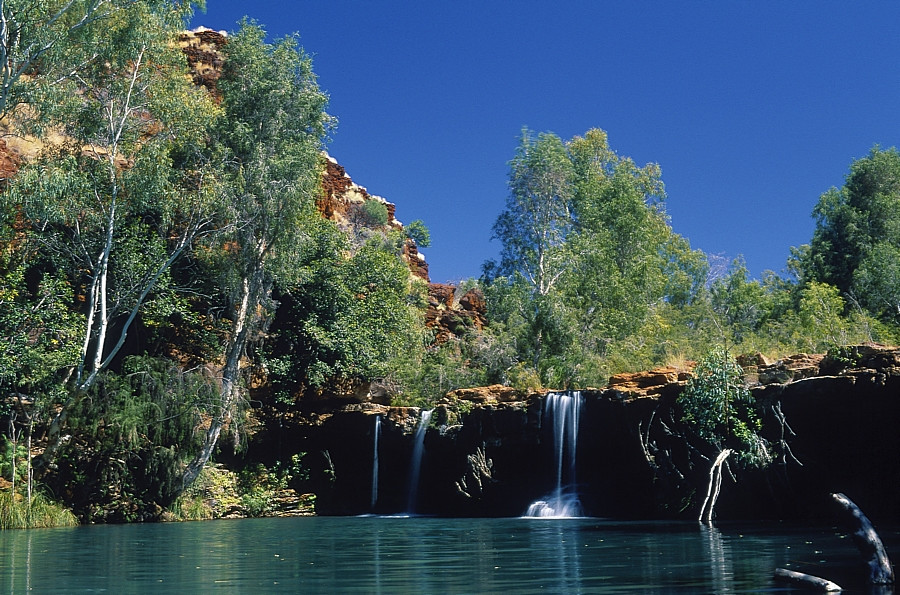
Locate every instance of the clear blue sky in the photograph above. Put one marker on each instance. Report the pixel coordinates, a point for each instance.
(752, 109)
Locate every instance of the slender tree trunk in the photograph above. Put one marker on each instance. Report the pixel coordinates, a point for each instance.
(230, 379)
(29, 470)
(12, 457)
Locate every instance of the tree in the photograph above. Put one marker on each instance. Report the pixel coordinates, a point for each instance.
(719, 408)
(268, 143)
(624, 245)
(119, 198)
(418, 232)
(37, 35)
(858, 232)
(743, 304)
(343, 321)
(38, 343)
(587, 253)
(537, 220)
(877, 280)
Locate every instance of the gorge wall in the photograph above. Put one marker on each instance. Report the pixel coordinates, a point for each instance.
(489, 452)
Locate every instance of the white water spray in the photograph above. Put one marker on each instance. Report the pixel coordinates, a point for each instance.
(377, 433)
(563, 411)
(415, 465)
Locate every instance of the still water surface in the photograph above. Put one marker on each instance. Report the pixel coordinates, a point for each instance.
(423, 555)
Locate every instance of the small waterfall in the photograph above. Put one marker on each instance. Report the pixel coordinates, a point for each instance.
(377, 433)
(562, 412)
(415, 465)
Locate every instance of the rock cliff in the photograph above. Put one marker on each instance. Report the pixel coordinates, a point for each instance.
(488, 450)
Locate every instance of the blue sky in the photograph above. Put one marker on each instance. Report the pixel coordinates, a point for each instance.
(752, 109)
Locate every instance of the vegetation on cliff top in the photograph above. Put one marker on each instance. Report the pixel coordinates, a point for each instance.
(162, 263)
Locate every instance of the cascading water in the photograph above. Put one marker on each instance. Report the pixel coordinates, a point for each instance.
(415, 464)
(562, 411)
(377, 433)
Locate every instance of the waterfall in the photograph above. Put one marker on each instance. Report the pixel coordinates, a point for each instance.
(415, 465)
(375, 462)
(561, 413)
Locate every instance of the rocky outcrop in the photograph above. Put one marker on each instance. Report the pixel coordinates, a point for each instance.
(658, 381)
(341, 197)
(448, 317)
(342, 201)
(10, 161)
(202, 48)
(489, 452)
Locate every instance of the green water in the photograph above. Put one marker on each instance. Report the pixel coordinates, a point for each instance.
(422, 555)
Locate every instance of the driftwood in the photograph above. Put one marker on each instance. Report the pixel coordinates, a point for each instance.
(806, 580)
(715, 483)
(867, 541)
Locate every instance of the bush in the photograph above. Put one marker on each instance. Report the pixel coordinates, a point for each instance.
(721, 410)
(43, 513)
(418, 233)
(374, 213)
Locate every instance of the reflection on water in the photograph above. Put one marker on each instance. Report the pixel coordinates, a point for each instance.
(420, 555)
(718, 552)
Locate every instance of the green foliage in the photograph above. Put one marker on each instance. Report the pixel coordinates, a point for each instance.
(218, 492)
(266, 147)
(38, 335)
(105, 204)
(587, 255)
(877, 280)
(373, 213)
(857, 236)
(268, 142)
(11, 452)
(418, 233)
(61, 40)
(343, 321)
(720, 409)
(424, 373)
(211, 496)
(424, 377)
(132, 437)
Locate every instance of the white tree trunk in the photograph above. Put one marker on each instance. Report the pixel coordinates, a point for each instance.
(230, 379)
(715, 484)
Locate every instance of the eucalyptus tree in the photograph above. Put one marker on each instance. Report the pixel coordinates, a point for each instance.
(116, 195)
(587, 252)
(534, 230)
(55, 40)
(624, 244)
(268, 143)
(537, 221)
(857, 235)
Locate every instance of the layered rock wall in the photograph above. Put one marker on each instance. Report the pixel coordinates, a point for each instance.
(489, 452)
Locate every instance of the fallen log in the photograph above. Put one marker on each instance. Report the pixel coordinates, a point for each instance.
(806, 580)
(867, 541)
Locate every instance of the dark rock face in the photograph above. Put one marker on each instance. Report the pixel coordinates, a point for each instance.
(488, 451)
